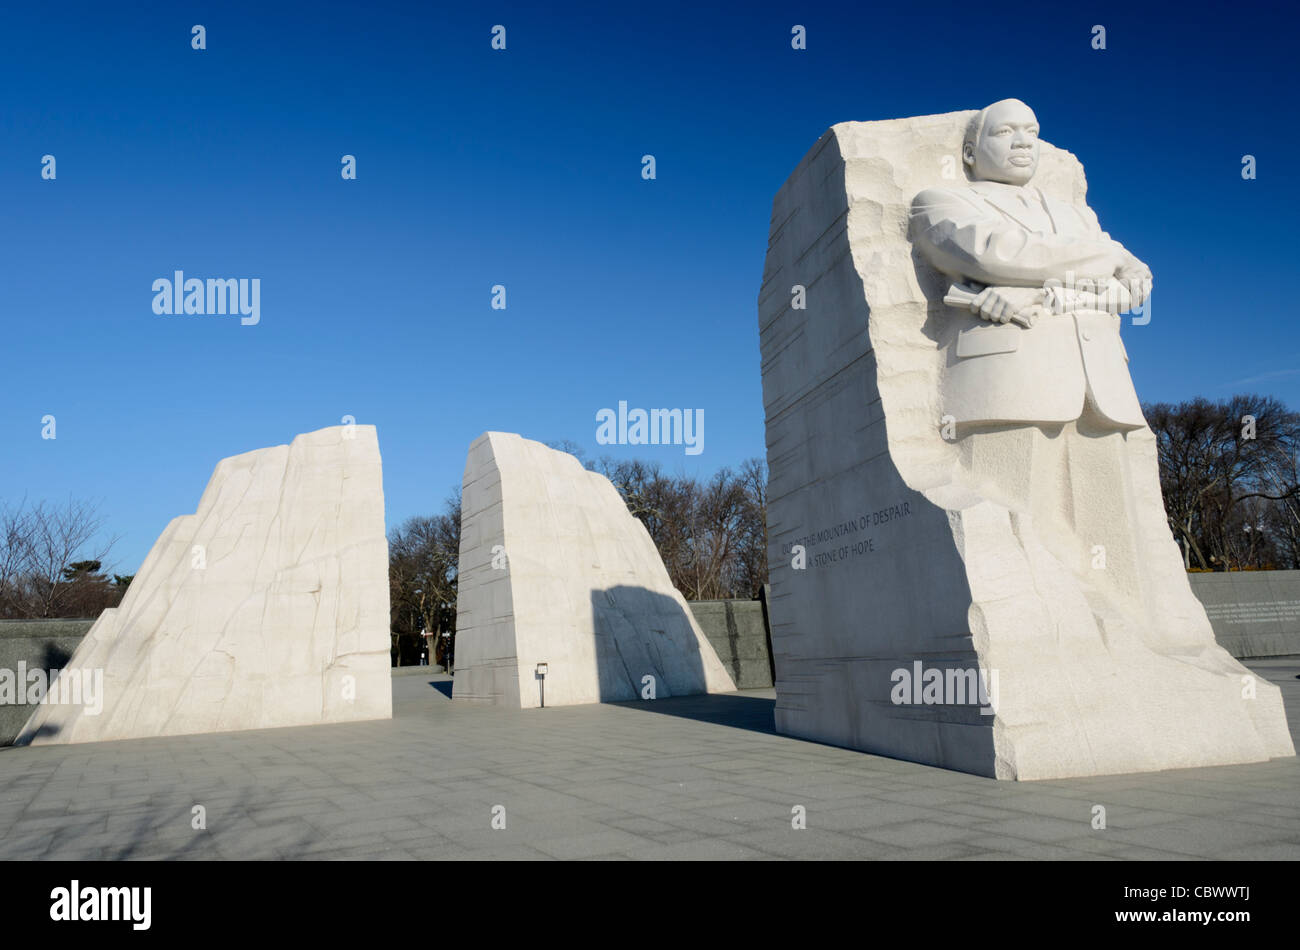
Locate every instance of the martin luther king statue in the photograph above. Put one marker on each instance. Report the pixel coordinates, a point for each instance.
(1044, 285)
(940, 334)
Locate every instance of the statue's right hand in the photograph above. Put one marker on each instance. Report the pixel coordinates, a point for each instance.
(992, 306)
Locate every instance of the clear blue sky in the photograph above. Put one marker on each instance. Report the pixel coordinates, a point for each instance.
(523, 168)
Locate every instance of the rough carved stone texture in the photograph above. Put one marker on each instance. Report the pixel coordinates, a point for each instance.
(977, 552)
(577, 584)
(267, 607)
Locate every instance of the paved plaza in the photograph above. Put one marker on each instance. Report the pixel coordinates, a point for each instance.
(696, 777)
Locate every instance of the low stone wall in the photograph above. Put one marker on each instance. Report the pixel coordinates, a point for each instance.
(737, 629)
(29, 645)
(1253, 613)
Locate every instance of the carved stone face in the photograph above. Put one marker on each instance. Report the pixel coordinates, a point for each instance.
(1006, 148)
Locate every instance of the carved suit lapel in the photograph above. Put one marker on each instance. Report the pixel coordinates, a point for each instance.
(1012, 216)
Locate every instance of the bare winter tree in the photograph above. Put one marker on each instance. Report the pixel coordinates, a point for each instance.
(711, 535)
(423, 559)
(751, 554)
(50, 561)
(1283, 516)
(1228, 473)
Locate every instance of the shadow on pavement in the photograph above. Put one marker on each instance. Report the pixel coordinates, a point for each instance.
(752, 713)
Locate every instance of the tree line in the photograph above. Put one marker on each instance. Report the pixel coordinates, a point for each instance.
(49, 564)
(423, 555)
(1231, 484)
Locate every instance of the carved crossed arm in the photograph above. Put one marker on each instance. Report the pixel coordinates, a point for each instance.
(958, 237)
(1021, 273)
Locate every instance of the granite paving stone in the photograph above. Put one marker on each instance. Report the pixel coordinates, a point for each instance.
(681, 778)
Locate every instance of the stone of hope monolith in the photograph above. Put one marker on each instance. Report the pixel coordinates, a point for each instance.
(555, 570)
(970, 561)
(266, 607)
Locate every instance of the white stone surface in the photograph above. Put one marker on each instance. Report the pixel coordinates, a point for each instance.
(1031, 543)
(266, 607)
(554, 569)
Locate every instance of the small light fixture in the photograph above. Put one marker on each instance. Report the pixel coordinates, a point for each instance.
(541, 678)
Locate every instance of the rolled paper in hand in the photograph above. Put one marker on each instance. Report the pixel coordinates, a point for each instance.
(959, 296)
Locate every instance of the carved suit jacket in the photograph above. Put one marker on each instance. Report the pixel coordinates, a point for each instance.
(998, 235)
